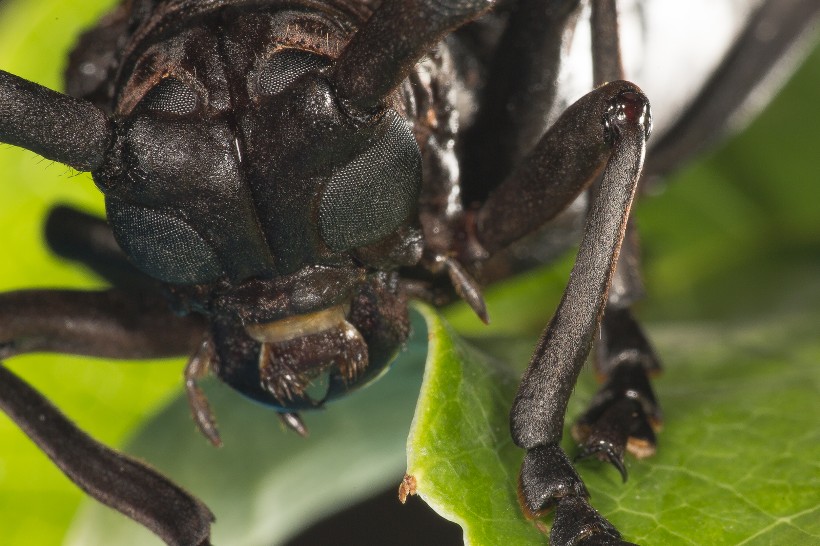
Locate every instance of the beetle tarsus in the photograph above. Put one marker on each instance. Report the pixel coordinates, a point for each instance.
(578, 524)
(546, 476)
(623, 416)
(548, 481)
(607, 438)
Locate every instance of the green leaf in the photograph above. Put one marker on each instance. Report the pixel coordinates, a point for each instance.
(459, 452)
(738, 454)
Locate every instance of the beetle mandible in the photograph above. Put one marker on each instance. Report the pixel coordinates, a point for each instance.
(283, 181)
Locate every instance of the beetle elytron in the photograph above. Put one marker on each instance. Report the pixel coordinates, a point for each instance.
(281, 176)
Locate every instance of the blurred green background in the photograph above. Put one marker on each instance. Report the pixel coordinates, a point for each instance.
(36, 501)
(735, 239)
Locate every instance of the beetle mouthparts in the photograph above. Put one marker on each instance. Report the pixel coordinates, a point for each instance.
(297, 350)
(299, 325)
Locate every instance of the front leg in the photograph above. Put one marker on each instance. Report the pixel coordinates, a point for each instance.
(611, 123)
(624, 415)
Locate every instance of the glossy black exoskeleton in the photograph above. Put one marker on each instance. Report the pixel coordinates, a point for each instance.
(279, 179)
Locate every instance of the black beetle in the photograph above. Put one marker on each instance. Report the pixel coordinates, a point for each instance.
(308, 278)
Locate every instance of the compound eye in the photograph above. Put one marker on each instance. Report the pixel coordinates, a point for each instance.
(171, 96)
(373, 195)
(285, 67)
(162, 245)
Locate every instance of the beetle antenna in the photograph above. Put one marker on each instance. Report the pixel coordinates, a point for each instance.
(56, 126)
(385, 49)
(607, 65)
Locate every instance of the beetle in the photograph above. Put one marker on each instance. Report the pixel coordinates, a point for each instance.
(293, 298)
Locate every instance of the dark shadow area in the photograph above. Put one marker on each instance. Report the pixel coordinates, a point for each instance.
(382, 520)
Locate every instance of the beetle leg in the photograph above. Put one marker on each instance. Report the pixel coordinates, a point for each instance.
(382, 53)
(565, 162)
(606, 42)
(537, 415)
(624, 415)
(117, 481)
(519, 94)
(109, 324)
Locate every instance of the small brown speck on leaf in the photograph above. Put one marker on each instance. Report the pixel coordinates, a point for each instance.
(407, 487)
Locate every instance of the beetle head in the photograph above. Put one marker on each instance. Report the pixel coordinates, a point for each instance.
(240, 174)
